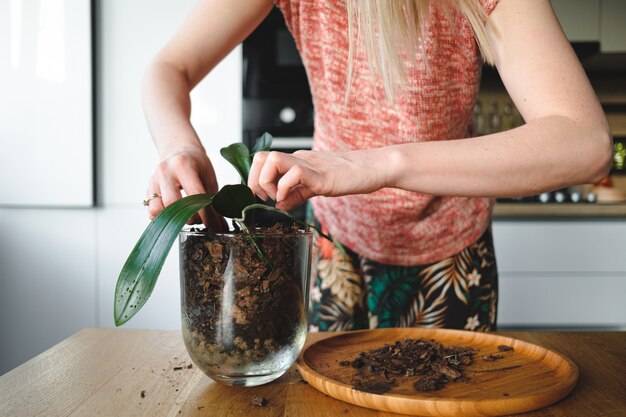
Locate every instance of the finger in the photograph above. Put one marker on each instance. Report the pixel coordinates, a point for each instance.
(155, 205)
(253, 176)
(300, 152)
(191, 183)
(294, 187)
(170, 192)
(275, 165)
(293, 177)
(296, 196)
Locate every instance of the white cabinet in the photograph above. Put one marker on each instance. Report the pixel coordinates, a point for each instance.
(562, 300)
(613, 26)
(47, 283)
(561, 273)
(46, 126)
(580, 19)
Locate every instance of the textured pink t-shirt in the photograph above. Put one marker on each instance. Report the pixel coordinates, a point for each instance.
(391, 225)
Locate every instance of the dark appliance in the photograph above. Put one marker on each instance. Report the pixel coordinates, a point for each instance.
(276, 94)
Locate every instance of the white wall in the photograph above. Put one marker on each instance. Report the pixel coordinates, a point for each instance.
(58, 267)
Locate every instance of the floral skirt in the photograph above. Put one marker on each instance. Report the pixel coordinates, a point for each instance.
(351, 292)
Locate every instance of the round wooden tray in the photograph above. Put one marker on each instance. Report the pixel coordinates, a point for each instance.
(542, 378)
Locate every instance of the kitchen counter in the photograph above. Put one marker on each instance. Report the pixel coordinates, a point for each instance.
(116, 372)
(559, 210)
(601, 209)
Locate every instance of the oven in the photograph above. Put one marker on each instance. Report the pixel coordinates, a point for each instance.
(276, 94)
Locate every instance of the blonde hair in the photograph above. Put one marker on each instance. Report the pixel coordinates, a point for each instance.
(387, 29)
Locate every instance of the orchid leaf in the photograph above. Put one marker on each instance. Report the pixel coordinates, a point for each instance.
(232, 199)
(239, 157)
(141, 270)
(249, 210)
(263, 143)
(277, 215)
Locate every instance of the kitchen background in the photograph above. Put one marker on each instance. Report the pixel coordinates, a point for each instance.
(76, 156)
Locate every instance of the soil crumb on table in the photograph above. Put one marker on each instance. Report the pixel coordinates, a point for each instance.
(259, 401)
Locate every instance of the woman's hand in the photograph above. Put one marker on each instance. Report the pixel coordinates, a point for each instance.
(190, 170)
(210, 32)
(291, 179)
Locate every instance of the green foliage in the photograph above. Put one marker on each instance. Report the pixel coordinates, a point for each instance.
(284, 216)
(263, 143)
(233, 199)
(141, 270)
(241, 158)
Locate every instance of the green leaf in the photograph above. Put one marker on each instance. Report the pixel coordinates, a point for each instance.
(286, 215)
(249, 210)
(263, 143)
(142, 268)
(239, 157)
(232, 199)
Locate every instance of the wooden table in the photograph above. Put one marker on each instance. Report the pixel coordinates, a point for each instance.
(115, 372)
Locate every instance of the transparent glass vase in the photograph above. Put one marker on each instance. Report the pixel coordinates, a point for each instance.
(244, 299)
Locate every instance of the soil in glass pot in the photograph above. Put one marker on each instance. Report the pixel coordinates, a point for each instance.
(244, 300)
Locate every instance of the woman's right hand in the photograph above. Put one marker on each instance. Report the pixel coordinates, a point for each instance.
(209, 33)
(190, 170)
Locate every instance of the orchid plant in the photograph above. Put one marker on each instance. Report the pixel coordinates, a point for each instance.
(237, 202)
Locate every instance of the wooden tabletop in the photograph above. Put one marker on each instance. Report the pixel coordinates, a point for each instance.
(116, 372)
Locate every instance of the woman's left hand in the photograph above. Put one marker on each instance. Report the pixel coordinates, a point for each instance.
(291, 179)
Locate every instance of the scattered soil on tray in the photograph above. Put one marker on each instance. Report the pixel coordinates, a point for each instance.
(432, 364)
(493, 357)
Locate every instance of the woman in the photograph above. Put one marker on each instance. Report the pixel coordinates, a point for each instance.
(396, 176)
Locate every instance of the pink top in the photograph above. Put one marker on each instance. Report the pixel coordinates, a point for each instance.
(391, 225)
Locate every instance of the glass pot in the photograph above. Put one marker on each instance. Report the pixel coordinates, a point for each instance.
(244, 300)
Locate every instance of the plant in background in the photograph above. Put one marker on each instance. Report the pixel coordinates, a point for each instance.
(237, 202)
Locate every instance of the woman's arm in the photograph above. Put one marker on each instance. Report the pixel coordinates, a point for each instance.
(210, 32)
(565, 141)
